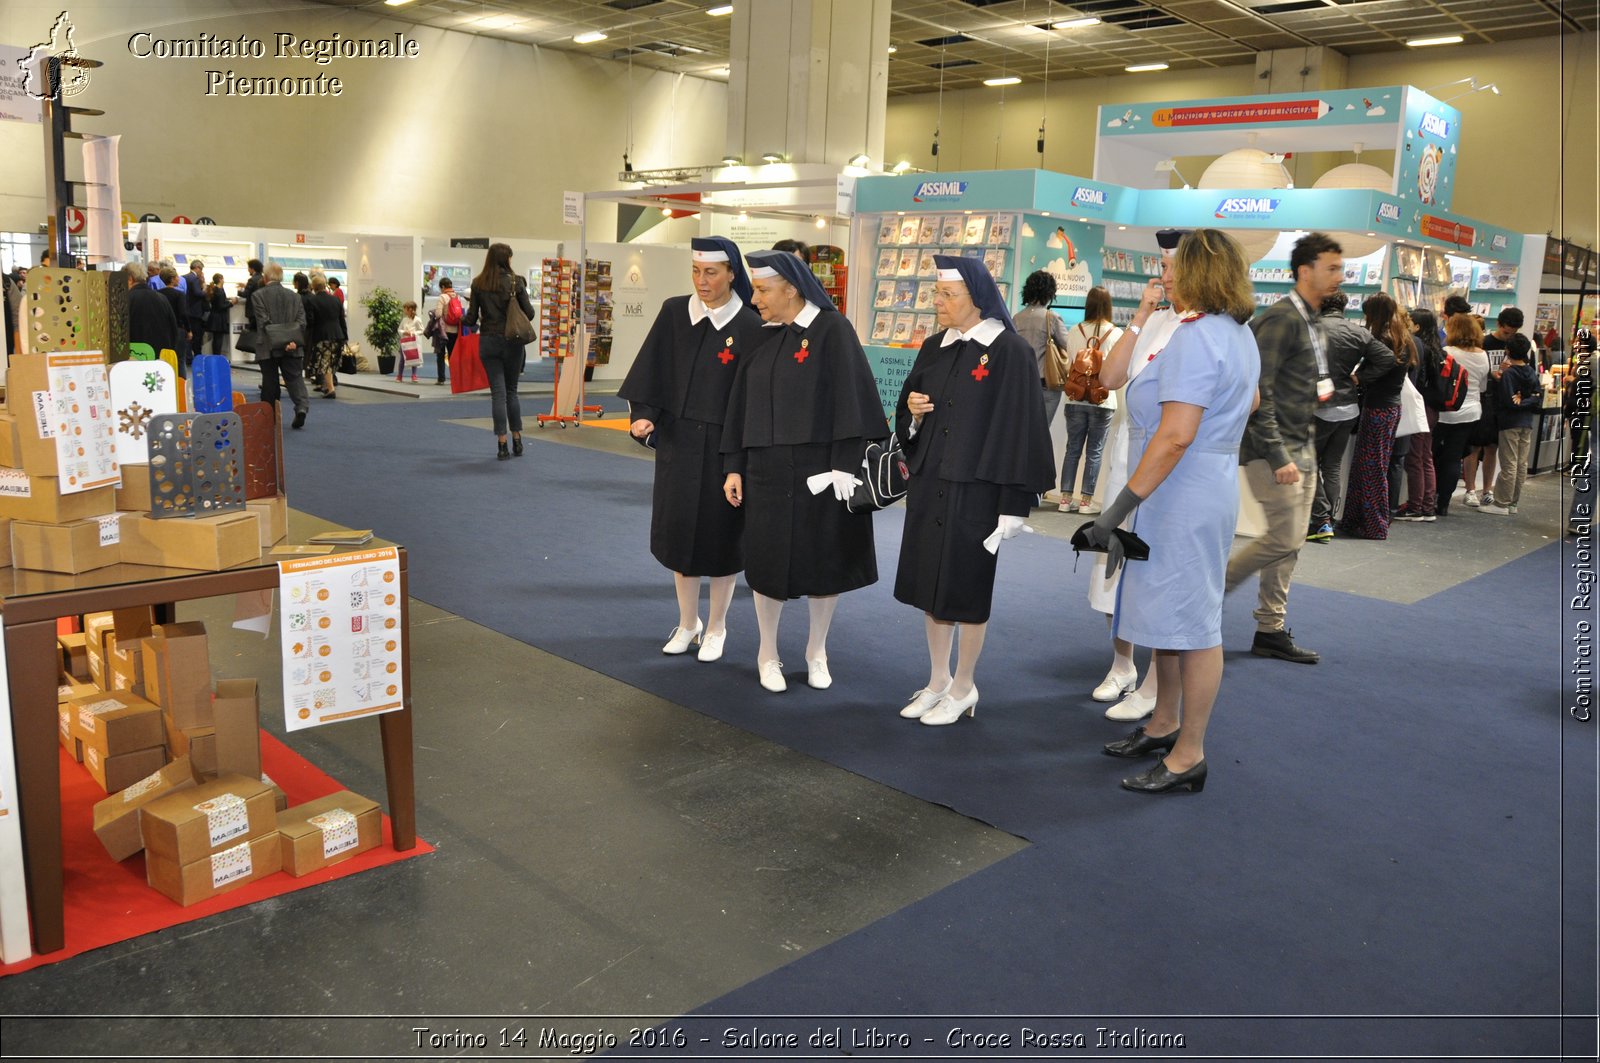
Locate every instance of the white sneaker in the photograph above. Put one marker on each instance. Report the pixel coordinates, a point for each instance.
(681, 640)
(948, 709)
(1052, 496)
(772, 676)
(1116, 684)
(1133, 707)
(711, 645)
(817, 674)
(1486, 499)
(1089, 508)
(1472, 498)
(923, 700)
(1490, 507)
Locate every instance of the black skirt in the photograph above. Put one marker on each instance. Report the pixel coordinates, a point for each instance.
(1485, 430)
(800, 544)
(693, 529)
(944, 569)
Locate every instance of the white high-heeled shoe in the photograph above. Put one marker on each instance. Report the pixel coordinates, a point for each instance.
(681, 640)
(923, 700)
(949, 709)
(817, 674)
(711, 645)
(772, 676)
(1116, 684)
(1133, 707)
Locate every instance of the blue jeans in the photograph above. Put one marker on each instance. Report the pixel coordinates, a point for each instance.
(1086, 431)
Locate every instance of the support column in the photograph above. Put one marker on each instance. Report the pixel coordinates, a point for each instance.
(1308, 70)
(809, 79)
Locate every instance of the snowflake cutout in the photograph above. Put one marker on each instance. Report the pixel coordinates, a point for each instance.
(135, 420)
(153, 382)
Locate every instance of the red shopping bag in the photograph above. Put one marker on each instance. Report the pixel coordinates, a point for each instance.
(410, 350)
(466, 368)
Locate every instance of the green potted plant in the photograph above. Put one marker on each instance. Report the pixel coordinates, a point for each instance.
(383, 326)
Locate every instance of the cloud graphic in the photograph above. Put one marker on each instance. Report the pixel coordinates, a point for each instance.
(1349, 106)
(1027, 230)
(1114, 123)
(1058, 239)
(1376, 112)
(1452, 149)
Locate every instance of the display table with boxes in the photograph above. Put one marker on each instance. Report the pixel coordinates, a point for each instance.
(177, 754)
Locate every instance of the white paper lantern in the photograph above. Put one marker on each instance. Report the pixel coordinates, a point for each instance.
(1247, 168)
(1357, 175)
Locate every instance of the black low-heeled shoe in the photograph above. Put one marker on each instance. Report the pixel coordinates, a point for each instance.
(503, 454)
(1139, 744)
(516, 446)
(1159, 780)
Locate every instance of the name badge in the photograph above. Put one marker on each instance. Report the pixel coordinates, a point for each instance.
(1324, 389)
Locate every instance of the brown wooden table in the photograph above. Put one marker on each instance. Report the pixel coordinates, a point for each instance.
(31, 601)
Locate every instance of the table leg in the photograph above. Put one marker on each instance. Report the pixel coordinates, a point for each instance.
(395, 727)
(29, 649)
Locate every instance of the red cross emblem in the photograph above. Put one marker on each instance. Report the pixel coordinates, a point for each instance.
(801, 355)
(979, 373)
(726, 356)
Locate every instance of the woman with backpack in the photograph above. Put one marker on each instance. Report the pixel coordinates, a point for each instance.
(493, 289)
(1463, 349)
(1366, 509)
(449, 308)
(1422, 488)
(1089, 403)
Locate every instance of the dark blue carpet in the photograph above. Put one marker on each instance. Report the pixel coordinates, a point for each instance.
(1381, 833)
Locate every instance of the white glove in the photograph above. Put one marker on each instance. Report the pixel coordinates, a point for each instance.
(1008, 528)
(843, 484)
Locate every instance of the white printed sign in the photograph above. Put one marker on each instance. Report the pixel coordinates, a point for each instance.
(230, 865)
(14, 484)
(111, 529)
(227, 817)
(342, 639)
(41, 414)
(339, 831)
(81, 414)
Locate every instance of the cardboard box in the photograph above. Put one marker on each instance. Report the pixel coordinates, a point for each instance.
(236, 718)
(116, 819)
(133, 623)
(115, 773)
(75, 655)
(279, 798)
(5, 542)
(177, 672)
(116, 722)
(81, 546)
(274, 516)
(69, 741)
(328, 830)
(199, 744)
(10, 442)
(134, 494)
(207, 543)
(25, 496)
(26, 450)
(125, 660)
(214, 816)
(96, 626)
(205, 878)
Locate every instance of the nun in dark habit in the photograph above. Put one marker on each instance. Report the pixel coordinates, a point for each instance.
(677, 391)
(979, 452)
(803, 408)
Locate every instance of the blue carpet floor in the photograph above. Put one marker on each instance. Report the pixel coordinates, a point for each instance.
(1381, 834)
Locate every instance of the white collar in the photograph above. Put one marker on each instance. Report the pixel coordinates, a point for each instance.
(804, 318)
(723, 314)
(984, 332)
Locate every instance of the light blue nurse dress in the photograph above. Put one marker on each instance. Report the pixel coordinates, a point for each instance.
(1173, 601)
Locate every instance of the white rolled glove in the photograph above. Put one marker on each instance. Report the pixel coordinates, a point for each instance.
(1008, 528)
(843, 484)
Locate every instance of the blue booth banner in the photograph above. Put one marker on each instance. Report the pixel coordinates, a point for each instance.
(1427, 161)
(1314, 108)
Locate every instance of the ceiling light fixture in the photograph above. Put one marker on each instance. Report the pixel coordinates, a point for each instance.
(720, 9)
(771, 157)
(732, 160)
(1075, 23)
(997, 82)
(1144, 68)
(893, 49)
(743, 217)
(395, 3)
(1428, 42)
(666, 212)
(1171, 166)
(592, 37)
(822, 223)
(859, 160)
(902, 166)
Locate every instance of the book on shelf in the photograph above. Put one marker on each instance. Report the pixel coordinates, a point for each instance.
(924, 295)
(922, 329)
(928, 231)
(904, 325)
(905, 295)
(950, 229)
(883, 298)
(925, 264)
(888, 258)
(994, 260)
(976, 229)
(909, 227)
(882, 328)
(1000, 229)
(907, 266)
(888, 229)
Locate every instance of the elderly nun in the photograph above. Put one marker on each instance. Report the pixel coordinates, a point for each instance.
(975, 439)
(803, 408)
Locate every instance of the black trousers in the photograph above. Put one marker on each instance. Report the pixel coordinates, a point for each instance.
(1332, 439)
(441, 355)
(292, 367)
(1449, 447)
(1397, 470)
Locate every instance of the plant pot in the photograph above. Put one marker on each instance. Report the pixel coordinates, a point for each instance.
(386, 364)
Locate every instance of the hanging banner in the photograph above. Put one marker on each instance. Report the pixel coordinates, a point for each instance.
(340, 625)
(102, 172)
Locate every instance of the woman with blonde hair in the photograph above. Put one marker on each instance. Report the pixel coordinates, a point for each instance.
(1186, 415)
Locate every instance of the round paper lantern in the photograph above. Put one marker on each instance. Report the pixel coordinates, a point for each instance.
(1247, 168)
(1357, 175)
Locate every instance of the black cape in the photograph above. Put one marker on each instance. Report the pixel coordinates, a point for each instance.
(670, 379)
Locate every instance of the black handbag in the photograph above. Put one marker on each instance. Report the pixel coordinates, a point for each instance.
(1133, 547)
(885, 476)
(348, 364)
(246, 342)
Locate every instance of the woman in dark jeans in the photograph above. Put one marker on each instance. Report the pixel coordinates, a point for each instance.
(492, 292)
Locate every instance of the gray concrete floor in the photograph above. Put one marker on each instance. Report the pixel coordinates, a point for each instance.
(630, 856)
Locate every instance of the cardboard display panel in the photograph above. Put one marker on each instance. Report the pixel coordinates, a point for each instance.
(263, 449)
(139, 392)
(81, 546)
(273, 512)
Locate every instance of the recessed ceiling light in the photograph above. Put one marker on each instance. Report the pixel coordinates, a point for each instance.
(771, 157)
(396, 3)
(1425, 42)
(1002, 81)
(732, 160)
(1075, 23)
(1144, 68)
(859, 159)
(496, 22)
(589, 38)
(720, 9)
(893, 49)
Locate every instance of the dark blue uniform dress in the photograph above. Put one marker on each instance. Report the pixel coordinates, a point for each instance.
(805, 402)
(984, 451)
(681, 381)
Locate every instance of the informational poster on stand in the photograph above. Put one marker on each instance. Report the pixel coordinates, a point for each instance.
(340, 624)
(78, 414)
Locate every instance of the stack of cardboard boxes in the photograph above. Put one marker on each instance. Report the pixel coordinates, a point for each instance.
(134, 693)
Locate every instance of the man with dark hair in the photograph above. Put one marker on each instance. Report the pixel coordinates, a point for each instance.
(795, 247)
(1349, 345)
(1519, 397)
(1485, 437)
(1278, 452)
(251, 286)
(1453, 305)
